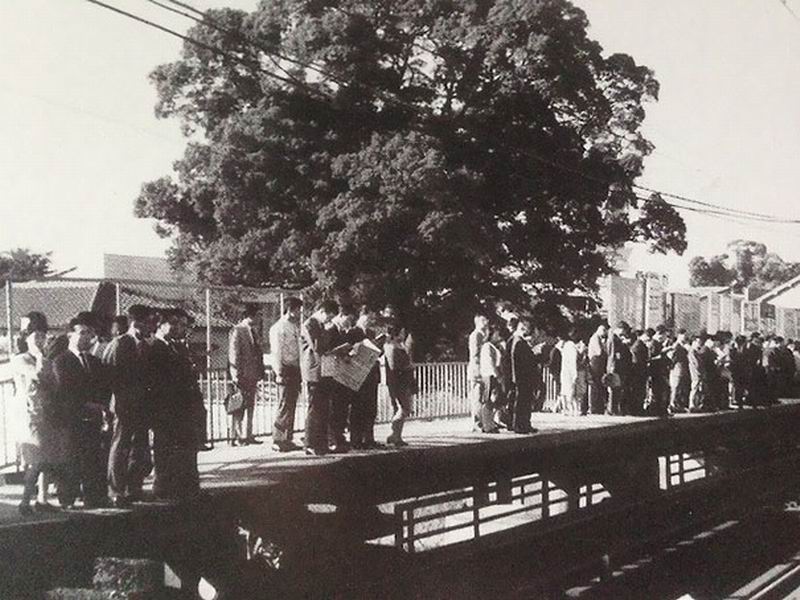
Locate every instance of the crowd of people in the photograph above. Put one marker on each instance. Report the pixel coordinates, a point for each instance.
(619, 371)
(334, 410)
(86, 405)
(95, 414)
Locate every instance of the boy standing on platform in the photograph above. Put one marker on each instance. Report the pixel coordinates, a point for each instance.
(284, 342)
(315, 340)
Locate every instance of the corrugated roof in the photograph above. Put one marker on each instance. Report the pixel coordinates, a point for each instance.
(701, 290)
(146, 268)
(58, 300)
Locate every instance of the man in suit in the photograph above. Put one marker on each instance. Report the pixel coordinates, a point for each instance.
(679, 380)
(80, 395)
(364, 409)
(523, 375)
(659, 373)
(741, 370)
(341, 396)
(284, 343)
(316, 340)
(598, 363)
(640, 356)
(618, 368)
(246, 365)
(177, 405)
(128, 364)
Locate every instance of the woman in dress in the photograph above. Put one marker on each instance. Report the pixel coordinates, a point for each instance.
(38, 439)
(399, 381)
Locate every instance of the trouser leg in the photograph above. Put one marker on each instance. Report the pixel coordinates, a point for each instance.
(337, 423)
(288, 392)
(597, 394)
(140, 463)
(31, 479)
(119, 455)
(475, 392)
(522, 409)
(91, 464)
(402, 411)
(316, 433)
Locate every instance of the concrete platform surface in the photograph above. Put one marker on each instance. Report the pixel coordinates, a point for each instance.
(227, 469)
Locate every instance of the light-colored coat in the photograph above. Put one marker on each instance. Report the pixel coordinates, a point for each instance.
(245, 360)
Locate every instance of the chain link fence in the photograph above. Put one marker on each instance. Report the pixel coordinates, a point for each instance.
(214, 309)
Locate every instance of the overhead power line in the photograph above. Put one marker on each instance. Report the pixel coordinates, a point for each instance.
(791, 11)
(709, 207)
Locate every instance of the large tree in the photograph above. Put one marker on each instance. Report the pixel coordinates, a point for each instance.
(21, 264)
(746, 264)
(431, 153)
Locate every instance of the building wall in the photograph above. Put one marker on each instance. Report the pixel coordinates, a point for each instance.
(623, 300)
(685, 312)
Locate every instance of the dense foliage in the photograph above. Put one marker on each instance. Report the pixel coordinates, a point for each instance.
(433, 153)
(746, 264)
(21, 264)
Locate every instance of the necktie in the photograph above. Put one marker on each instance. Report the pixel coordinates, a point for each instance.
(84, 362)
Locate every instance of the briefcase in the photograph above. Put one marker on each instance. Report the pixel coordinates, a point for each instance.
(234, 402)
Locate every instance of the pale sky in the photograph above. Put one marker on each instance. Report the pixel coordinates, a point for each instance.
(79, 136)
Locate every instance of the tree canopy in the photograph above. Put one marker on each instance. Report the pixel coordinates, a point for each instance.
(746, 264)
(430, 153)
(21, 264)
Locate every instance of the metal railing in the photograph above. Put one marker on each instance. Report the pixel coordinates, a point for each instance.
(443, 393)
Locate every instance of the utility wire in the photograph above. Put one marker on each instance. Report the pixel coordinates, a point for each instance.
(710, 208)
(191, 40)
(785, 4)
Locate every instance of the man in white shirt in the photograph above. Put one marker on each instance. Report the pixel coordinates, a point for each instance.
(284, 342)
(476, 341)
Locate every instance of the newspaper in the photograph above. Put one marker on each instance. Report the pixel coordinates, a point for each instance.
(350, 364)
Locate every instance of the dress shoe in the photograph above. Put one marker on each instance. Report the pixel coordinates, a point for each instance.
(340, 449)
(44, 508)
(373, 445)
(284, 447)
(253, 441)
(97, 503)
(205, 448)
(316, 451)
(120, 502)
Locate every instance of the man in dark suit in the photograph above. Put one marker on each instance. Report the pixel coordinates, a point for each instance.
(619, 365)
(246, 365)
(741, 369)
(341, 396)
(640, 357)
(177, 405)
(523, 376)
(364, 409)
(316, 340)
(127, 360)
(80, 395)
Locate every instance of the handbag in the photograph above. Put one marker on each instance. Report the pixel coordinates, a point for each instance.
(234, 402)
